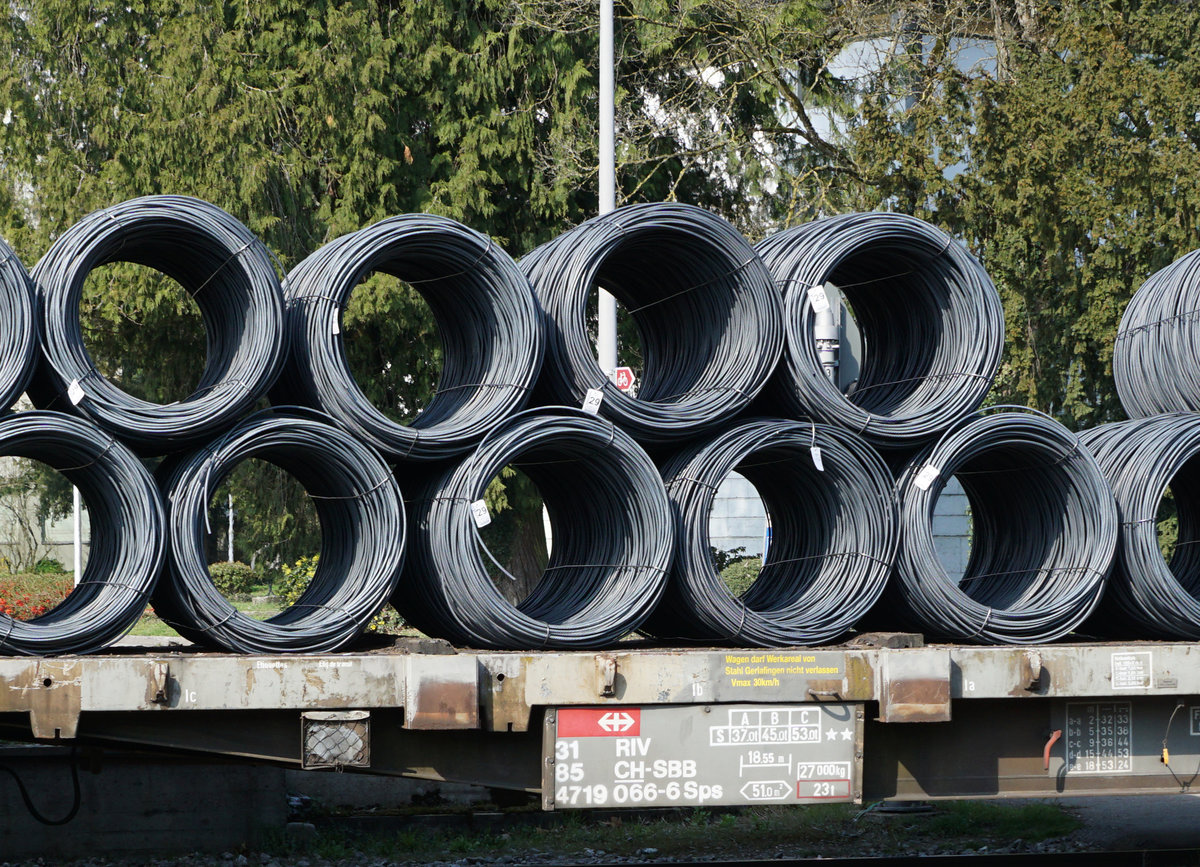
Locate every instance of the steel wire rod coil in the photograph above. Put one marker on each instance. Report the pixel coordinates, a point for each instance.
(611, 526)
(219, 263)
(828, 498)
(127, 532)
(931, 322)
(1149, 597)
(487, 319)
(1044, 533)
(707, 316)
(1156, 356)
(18, 328)
(361, 513)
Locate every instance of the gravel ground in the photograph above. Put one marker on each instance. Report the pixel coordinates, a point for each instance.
(1091, 824)
(867, 835)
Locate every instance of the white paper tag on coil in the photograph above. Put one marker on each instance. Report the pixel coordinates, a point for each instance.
(815, 451)
(926, 476)
(479, 511)
(592, 400)
(75, 392)
(335, 326)
(818, 299)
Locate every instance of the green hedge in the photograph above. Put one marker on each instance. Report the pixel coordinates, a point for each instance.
(234, 579)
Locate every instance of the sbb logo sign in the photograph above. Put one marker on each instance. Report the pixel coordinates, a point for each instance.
(596, 722)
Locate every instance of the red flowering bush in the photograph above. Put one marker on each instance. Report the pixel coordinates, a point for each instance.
(28, 596)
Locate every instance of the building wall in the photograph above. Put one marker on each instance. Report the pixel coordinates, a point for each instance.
(52, 538)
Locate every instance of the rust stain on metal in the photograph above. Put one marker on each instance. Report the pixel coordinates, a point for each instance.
(916, 700)
(332, 692)
(314, 681)
(860, 679)
(503, 693)
(826, 690)
(52, 693)
(444, 705)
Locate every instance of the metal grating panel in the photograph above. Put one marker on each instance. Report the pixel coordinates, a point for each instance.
(336, 740)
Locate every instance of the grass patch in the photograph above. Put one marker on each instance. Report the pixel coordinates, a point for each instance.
(152, 625)
(1035, 822)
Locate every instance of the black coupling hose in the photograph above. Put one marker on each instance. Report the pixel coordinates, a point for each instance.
(219, 263)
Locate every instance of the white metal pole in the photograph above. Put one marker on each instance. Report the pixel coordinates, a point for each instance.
(231, 528)
(77, 509)
(606, 342)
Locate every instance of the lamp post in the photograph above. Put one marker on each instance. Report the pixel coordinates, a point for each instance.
(606, 338)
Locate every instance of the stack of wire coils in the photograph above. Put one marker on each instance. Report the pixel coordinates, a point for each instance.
(92, 430)
(710, 325)
(611, 527)
(932, 332)
(709, 319)
(931, 321)
(735, 377)
(834, 533)
(233, 281)
(1149, 596)
(487, 319)
(1151, 459)
(1045, 529)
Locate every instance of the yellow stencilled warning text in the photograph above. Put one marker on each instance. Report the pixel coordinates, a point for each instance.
(765, 669)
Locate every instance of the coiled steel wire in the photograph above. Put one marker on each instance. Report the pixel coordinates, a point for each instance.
(127, 531)
(1148, 596)
(18, 328)
(931, 322)
(707, 316)
(1156, 356)
(487, 319)
(221, 265)
(361, 513)
(828, 498)
(1044, 533)
(611, 526)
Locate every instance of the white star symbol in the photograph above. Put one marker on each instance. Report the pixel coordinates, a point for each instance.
(847, 734)
(831, 734)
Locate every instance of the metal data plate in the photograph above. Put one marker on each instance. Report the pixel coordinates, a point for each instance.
(702, 755)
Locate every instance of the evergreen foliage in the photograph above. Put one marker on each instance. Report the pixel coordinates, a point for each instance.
(1067, 158)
